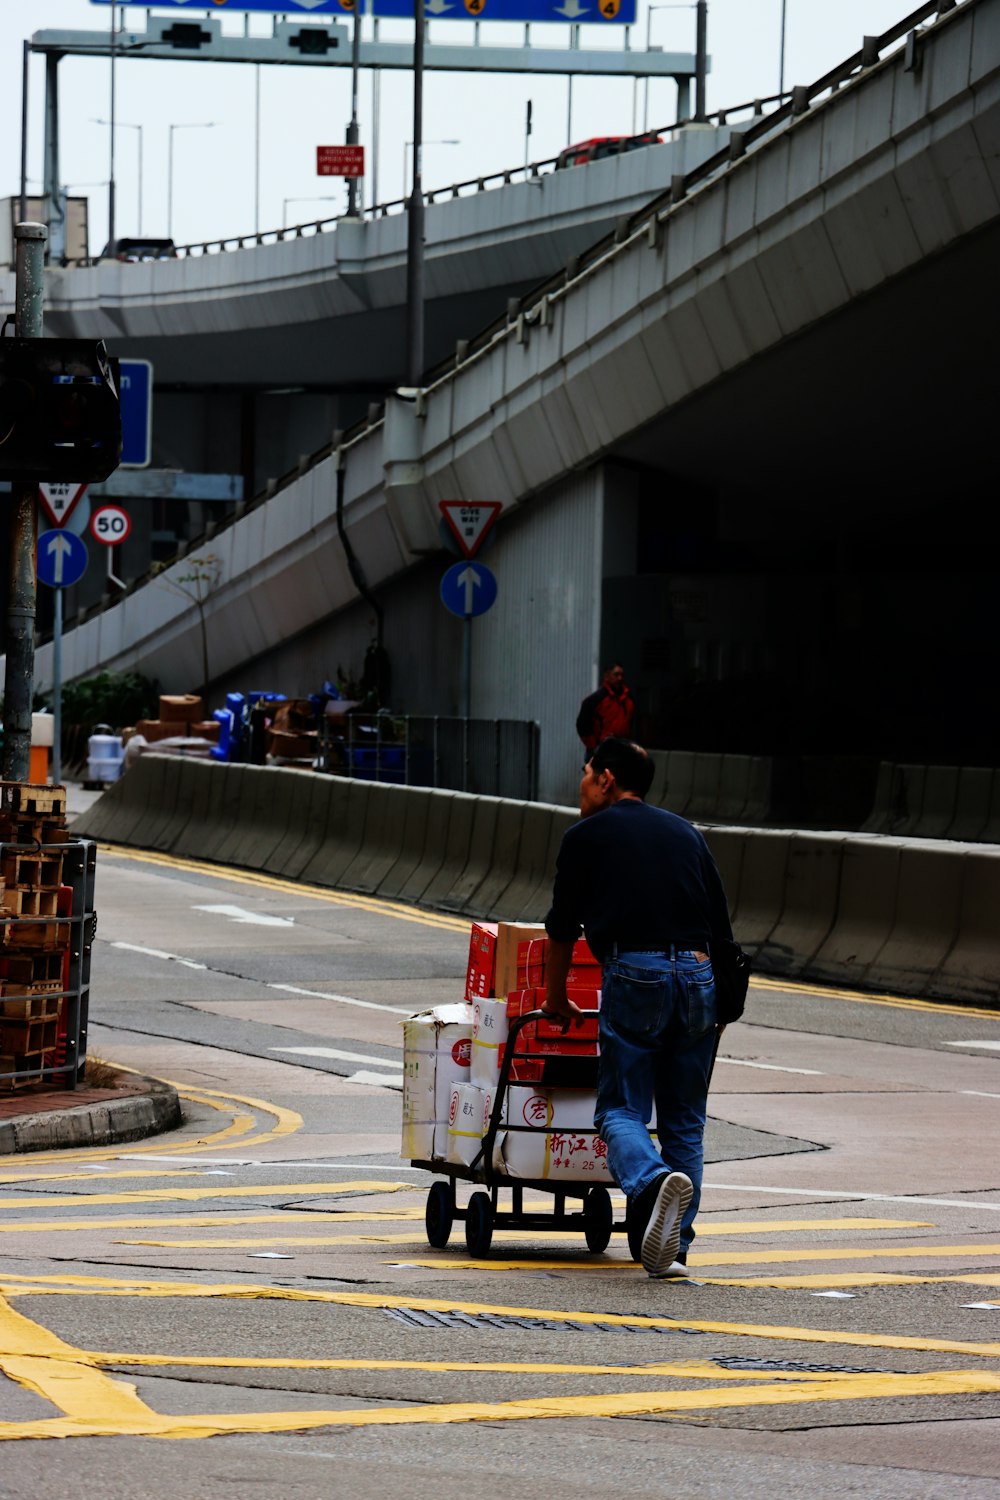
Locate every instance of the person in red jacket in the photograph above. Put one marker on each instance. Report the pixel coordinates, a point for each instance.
(608, 713)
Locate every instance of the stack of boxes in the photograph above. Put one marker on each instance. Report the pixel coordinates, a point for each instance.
(35, 909)
(181, 716)
(453, 1056)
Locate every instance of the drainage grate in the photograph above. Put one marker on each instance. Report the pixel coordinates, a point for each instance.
(412, 1317)
(793, 1366)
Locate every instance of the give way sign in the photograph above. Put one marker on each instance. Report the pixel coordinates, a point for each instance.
(60, 500)
(469, 521)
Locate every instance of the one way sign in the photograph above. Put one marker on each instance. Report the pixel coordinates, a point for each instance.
(60, 500)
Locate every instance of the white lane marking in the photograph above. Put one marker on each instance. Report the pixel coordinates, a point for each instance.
(382, 1062)
(173, 958)
(294, 989)
(240, 914)
(739, 1062)
(989, 1046)
(978, 1094)
(380, 1080)
(804, 1192)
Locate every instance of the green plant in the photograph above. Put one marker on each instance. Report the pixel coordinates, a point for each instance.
(115, 698)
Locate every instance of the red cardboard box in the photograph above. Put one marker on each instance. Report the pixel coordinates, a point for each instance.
(544, 1035)
(509, 937)
(481, 973)
(563, 1071)
(532, 957)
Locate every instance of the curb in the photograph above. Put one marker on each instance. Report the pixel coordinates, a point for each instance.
(105, 1123)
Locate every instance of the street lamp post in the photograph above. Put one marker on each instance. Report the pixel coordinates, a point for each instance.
(322, 198)
(181, 125)
(645, 82)
(124, 125)
(406, 149)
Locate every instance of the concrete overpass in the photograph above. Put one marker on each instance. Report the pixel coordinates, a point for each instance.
(720, 440)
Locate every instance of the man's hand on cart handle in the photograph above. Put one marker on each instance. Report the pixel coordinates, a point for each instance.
(557, 1002)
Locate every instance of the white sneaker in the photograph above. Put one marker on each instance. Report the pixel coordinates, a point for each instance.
(662, 1237)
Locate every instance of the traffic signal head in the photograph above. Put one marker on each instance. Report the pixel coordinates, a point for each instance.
(59, 411)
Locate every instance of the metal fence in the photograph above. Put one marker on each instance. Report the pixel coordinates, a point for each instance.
(493, 757)
(48, 924)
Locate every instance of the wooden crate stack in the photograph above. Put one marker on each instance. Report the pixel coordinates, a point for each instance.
(34, 937)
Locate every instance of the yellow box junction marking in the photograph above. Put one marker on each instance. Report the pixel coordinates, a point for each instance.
(103, 1286)
(194, 1194)
(94, 1404)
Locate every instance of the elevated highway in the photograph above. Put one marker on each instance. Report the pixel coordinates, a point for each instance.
(720, 440)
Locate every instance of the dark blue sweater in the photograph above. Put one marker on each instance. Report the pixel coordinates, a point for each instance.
(640, 877)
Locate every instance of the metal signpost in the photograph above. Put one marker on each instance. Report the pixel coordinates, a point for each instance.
(61, 562)
(110, 525)
(468, 589)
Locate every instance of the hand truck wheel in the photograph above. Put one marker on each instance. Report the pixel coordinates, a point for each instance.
(479, 1225)
(598, 1219)
(439, 1215)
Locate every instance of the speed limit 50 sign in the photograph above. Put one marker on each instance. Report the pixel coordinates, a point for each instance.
(110, 524)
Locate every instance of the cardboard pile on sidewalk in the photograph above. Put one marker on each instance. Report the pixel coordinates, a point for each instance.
(452, 1056)
(35, 910)
(182, 717)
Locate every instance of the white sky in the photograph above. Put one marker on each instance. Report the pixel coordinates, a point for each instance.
(302, 107)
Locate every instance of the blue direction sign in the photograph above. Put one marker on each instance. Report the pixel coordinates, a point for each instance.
(468, 589)
(575, 12)
(62, 559)
(136, 397)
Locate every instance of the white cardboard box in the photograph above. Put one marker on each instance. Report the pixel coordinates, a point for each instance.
(556, 1147)
(468, 1116)
(489, 1032)
(436, 1047)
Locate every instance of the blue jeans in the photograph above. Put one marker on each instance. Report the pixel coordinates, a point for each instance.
(658, 1036)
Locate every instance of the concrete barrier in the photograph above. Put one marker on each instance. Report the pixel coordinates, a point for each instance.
(658, 789)
(866, 911)
(971, 968)
(498, 865)
(680, 781)
(972, 805)
(734, 789)
(306, 824)
(343, 832)
(456, 847)
(413, 845)
(810, 900)
(383, 837)
(706, 782)
(758, 901)
(899, 915)
(926, 922)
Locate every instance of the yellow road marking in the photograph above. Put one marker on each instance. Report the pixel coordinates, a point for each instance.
(194, 1194)
(500, 1235)
(620, 1404)
(203, 1220)
(293, 888)
(802, 987)
(102, 1176)
(40, 1362)
(746, 1258)
(679, 1370)
(103, 1286)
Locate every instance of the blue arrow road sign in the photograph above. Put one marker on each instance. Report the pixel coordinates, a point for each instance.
(573, 12)
(62, 559)
(468, 589)
(136, 398)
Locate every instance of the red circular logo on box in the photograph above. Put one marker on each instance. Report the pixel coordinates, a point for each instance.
(461, 1052)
